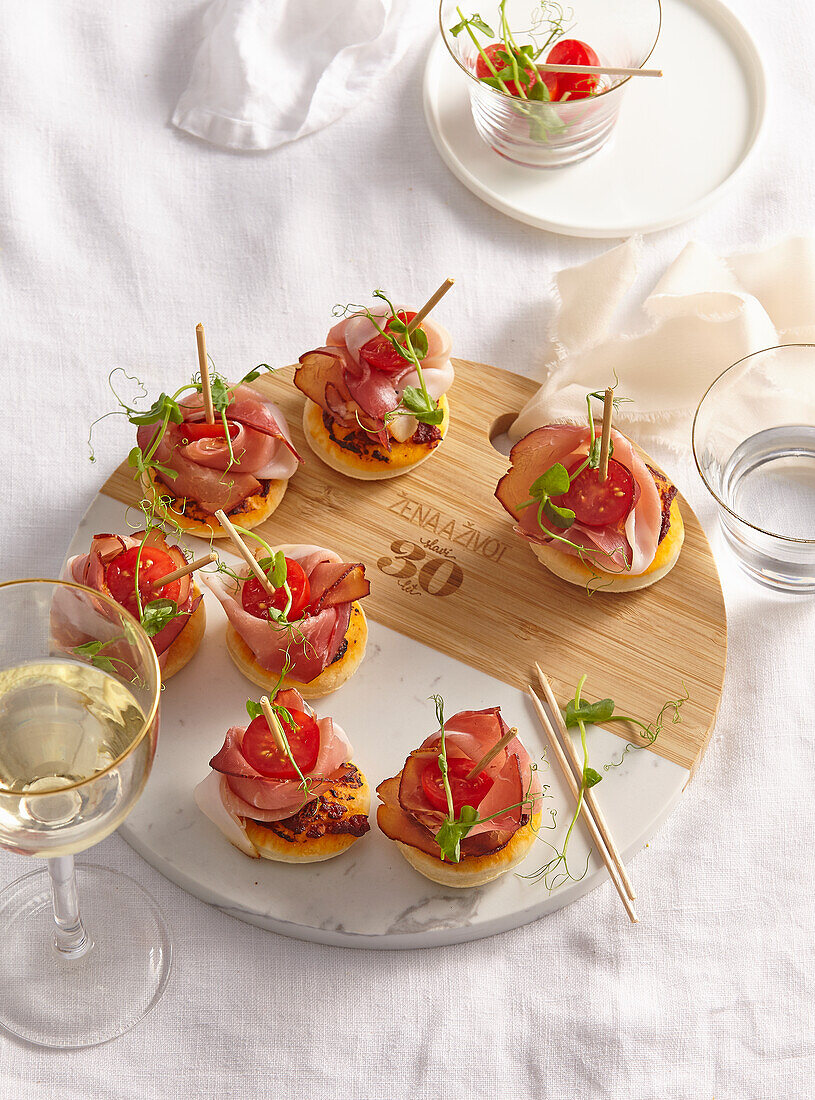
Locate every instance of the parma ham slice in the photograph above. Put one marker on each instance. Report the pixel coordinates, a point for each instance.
(339, 379)
(628, 547)
(205, 471)
(90, 569)
(513, 797)
(235, 792)
(314, 641)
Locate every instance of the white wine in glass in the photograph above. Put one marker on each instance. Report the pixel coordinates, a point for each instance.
(79, 690)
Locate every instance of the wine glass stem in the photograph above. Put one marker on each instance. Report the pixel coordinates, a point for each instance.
(71, 939)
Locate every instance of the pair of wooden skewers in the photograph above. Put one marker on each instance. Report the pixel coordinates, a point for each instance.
(564, 753)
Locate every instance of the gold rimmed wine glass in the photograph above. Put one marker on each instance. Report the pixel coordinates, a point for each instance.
(79, 700)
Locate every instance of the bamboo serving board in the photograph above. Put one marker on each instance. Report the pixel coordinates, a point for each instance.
(447, 570)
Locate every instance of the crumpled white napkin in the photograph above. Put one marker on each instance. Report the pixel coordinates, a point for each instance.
(271, 71)
(705, 313)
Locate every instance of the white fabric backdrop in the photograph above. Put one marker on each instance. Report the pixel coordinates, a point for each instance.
(119, 234)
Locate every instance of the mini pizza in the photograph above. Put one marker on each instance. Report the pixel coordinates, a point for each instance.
(376, 404)
(489, 820)
(615, 535)
(312, 631)
(241, 463)
(302, 806)
(173, 614)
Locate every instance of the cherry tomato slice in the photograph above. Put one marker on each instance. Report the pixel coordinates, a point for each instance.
(257, 601)
(120, 576)
(596, 505)
(202, 430)
(465, 792)
(379, 352)
(571, 51)
(260, 749)
(482, 69)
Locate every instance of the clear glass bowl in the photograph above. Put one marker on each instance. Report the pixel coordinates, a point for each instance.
(550, 135)
(754, 446)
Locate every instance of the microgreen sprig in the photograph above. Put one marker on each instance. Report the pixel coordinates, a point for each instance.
(579, 713)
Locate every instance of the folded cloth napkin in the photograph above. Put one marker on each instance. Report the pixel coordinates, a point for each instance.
(705, 313)
(271, 71)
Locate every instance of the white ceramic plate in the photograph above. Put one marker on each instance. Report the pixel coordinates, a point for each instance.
(369, 896)
(679, 141)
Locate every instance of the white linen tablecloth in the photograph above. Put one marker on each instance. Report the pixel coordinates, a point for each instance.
(118, 234)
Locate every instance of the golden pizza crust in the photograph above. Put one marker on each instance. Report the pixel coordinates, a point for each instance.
(277, 842)
(191, 517)
(474, 870)
(330, 679)
(185, 646)
(368, 461)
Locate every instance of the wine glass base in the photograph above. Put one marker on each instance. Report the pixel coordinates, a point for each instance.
(72, 1003)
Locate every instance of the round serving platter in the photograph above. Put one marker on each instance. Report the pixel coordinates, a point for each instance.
(458, 606)
(679, 142)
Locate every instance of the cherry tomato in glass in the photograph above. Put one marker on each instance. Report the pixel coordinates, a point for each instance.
(465, 792)
(530, 73)
(257, 601)
(260, 749)
(571, 51)
(154, 564)
(380, 353)
(202, 430)
(595, 504)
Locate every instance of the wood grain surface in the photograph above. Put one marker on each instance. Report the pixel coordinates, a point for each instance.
(447, 570)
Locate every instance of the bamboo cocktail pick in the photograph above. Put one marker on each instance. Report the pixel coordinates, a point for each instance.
(605, 439)
(203, 364)
(190, 567)
(431, 303)
(598, 70)
(274, 725)
(244, 551)
(488, 757)
(589, 821)
(588, 795)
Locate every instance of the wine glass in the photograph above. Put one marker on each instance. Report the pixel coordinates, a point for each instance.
(79, 695)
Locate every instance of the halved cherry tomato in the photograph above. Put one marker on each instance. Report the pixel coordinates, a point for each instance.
(552, 87)
(482, 69)
(120, 576)
(465, 792)
(257, 601)
(596, 505)
(571, 51)
(260, 749)
(380, 353)
(202, 430)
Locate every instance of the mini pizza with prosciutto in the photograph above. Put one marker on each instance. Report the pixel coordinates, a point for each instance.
(375, 393)
(302, 805)
(612, 535)
(173, 614)
(313, 631)
(241, 463)
(483, 821)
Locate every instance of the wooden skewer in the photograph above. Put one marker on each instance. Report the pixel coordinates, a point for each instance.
(190, 567)
(244, 551)
(605, 439)
(491, 755)
(589, 821)
(274, 725)
(203, 364)
(598, 70)
(588, 794)
(431, 303)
